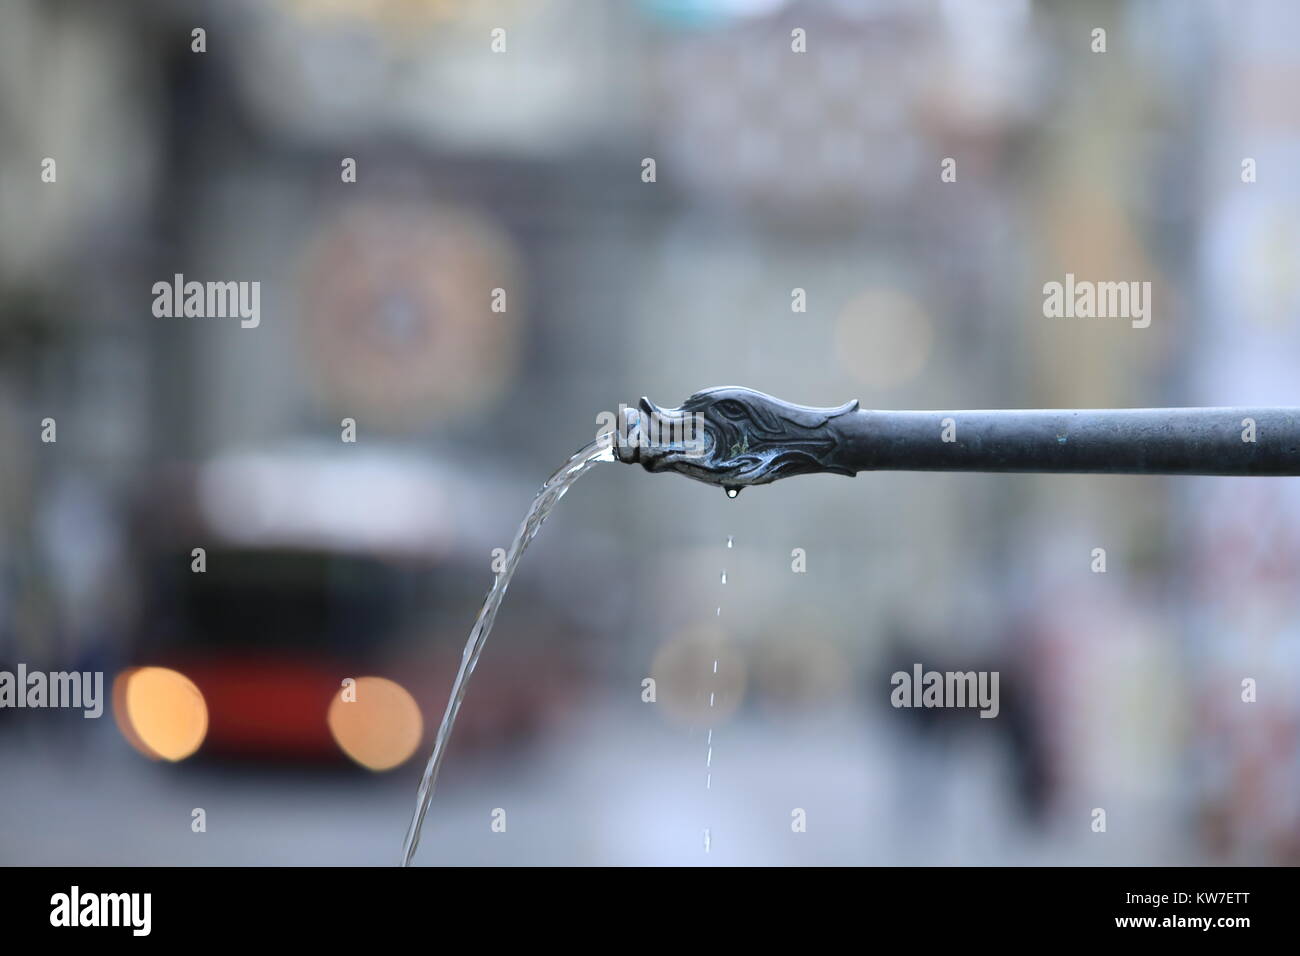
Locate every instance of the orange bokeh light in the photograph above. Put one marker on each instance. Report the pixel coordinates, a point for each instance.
(160, 712)
(381, 727)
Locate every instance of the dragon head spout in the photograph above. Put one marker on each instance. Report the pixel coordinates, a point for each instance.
(733, 437)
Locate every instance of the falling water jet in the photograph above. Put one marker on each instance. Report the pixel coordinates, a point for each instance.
(547, 498)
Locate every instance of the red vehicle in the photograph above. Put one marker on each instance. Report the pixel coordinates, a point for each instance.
(319, 568)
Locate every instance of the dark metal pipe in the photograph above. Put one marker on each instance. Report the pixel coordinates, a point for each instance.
(734, 437)
(1137, 441)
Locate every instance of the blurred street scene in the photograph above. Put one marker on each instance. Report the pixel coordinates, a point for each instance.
(497, 273)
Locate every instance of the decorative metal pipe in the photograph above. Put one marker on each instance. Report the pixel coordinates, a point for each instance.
(734, 437)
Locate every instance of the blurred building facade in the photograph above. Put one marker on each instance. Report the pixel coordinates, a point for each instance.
(521, 171)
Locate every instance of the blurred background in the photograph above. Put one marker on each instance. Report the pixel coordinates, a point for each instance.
(522, 171)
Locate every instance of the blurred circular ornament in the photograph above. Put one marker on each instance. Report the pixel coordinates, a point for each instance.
(397, 312)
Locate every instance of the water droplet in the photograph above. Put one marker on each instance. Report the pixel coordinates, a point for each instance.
(732, 492)
(719, 613)
(729, 544)
(724, 577)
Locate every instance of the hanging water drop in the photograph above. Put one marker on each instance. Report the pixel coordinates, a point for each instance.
(732, 492)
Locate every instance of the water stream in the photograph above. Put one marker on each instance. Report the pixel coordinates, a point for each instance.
(547, 498)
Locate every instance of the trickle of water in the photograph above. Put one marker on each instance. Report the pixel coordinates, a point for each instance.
(547, 498)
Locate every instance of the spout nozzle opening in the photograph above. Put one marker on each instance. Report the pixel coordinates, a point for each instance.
(658, 438)
(627, 437)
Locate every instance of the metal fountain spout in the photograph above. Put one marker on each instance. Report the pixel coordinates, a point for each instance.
(735, 437)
